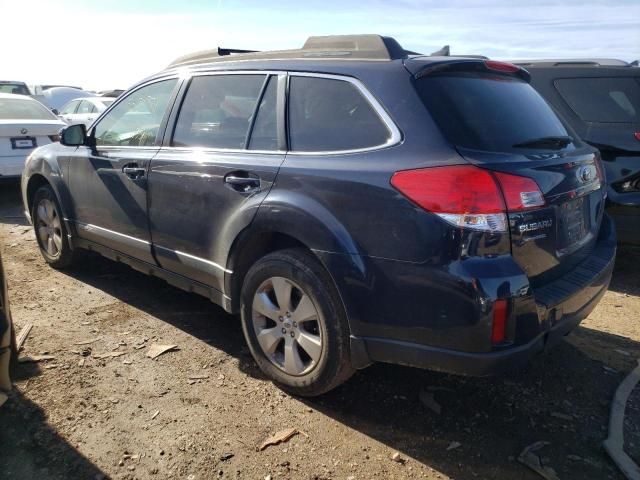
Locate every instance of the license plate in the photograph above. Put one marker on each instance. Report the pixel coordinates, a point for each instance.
(23, 143)
(574, 221)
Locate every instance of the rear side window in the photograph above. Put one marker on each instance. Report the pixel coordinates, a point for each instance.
(604, 100)
(488, 112)
(217, 111)
(86, 107)
(331, 115)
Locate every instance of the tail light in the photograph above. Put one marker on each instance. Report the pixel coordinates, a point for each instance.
(467, 196)
(499, 326)
(637, 136)
(54, 138)
(597, 160)
(501, 66)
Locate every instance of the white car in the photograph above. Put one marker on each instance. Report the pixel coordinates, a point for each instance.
(25, 124)
(84, 110)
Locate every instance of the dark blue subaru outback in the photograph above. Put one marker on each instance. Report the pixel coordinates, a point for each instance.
(352, 201)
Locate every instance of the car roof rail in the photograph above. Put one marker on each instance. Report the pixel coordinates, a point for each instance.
(573, 62)
(350, 47)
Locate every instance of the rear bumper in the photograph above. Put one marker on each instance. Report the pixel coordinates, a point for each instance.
(12, 166)
(561, 306)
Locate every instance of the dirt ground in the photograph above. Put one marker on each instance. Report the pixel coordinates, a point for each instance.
(200, 411)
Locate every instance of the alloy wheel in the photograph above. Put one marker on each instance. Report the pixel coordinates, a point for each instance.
(287, 325)
(48, 228)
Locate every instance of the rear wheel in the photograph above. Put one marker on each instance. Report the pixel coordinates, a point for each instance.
(294, 323)
(51, 232)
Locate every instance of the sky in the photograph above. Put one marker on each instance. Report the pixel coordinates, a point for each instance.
(114, 43)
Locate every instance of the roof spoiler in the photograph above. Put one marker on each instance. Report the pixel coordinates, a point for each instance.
(473, 65)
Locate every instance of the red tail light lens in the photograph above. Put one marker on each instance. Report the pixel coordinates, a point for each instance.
(501, 66)
(468, 196)
(499, 326)
(519, 192)
(456, 189)
(637, 135)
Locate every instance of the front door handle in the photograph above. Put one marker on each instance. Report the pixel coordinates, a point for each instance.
(241, 182)
(133, 171)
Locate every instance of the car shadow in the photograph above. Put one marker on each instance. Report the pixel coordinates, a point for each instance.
(10, 205)
(31, 448)
(563, 397)
(626, 276)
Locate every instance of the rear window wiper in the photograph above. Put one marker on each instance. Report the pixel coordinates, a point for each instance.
(559, 141)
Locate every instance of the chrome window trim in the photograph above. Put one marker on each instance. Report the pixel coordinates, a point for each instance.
(394, 139)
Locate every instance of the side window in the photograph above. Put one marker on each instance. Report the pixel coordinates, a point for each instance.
(217, 110)
(70, 108)
(264, 135)
(331, 115)
(136, 120)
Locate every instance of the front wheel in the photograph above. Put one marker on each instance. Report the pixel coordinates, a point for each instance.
(51, 232)
(294, 323)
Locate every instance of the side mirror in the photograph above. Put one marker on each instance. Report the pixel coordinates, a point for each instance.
(73, 135)
(55, 111)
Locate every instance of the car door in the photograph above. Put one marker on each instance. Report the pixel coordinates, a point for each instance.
(67, 114)
(215, 167)
(86, 113)
(108, 181)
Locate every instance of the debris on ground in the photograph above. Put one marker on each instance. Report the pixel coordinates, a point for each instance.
(454, 445)
(156, 350)
(396, 457)
(279, 437)
(155, 414)
(226, 456)
(428, 400)
(36, 358)
(108, 354)
(22, 336)
(198, 377)
(530, 458)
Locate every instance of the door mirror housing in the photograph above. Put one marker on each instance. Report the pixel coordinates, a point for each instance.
(73, 135)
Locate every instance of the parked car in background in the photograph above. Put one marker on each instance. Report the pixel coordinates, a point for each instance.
(600, 98)
(57, 97)
(427, 211)
(7, 336)
(84, 110)
(19, 88)
(24, 125)
(110, 93)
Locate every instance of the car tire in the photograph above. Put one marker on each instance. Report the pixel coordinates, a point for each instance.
(295, 324)
(50, 229)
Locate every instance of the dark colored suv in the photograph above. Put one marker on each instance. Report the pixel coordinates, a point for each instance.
(352, 202)
(600, 99)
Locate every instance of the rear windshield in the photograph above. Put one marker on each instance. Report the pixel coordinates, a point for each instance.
(488, 112)
(23, 109)
(18, 88)
(603, 100)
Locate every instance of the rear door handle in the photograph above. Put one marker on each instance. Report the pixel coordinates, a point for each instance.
(243, 184)
(134, 172)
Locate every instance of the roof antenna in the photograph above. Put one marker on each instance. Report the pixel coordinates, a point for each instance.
(443, 52)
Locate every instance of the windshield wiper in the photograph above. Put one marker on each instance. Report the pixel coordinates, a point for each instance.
(559, 141)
